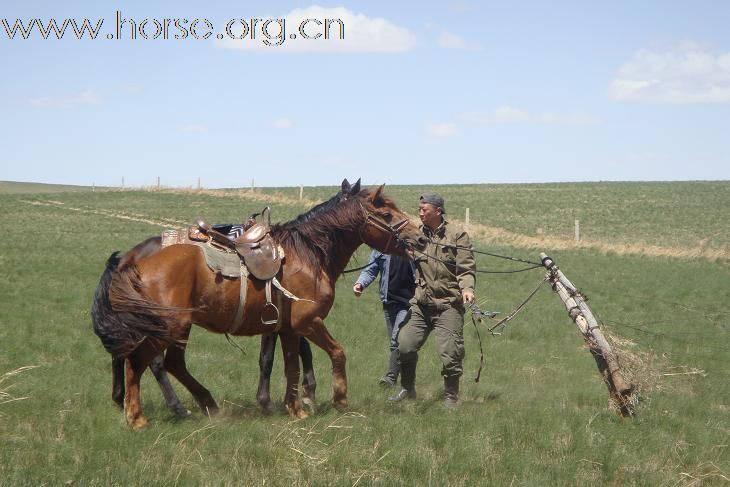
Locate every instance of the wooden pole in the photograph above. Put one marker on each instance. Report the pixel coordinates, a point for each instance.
(301, 192)
(198, 183)
(466, 217)
(577, 230)
(580, 313)
(158, 182)
(252, 185)
(122, 182)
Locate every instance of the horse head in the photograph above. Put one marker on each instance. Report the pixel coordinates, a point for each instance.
(386, 227)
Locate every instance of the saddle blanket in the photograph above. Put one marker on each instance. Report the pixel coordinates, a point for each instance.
(226, 262)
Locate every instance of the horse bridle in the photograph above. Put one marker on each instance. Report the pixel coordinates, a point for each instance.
(393, 230)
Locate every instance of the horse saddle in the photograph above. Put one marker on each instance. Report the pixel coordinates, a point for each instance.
(255, 247)
(259, 252)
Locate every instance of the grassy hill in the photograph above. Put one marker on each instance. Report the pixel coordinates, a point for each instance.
(539, 416)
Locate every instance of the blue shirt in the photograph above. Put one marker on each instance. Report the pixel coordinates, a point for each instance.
(397, 277)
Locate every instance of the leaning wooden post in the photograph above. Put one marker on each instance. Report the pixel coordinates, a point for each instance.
(581, 314)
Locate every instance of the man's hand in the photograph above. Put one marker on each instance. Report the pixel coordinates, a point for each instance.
(468, 297)
(357, 289)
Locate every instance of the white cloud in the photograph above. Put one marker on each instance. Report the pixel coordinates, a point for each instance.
(281, 123)
(362, 34)
(688, 73)
(446, 129)
(509, 114)
(87, 97)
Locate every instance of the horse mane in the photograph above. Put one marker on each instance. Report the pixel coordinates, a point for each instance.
(316, 235)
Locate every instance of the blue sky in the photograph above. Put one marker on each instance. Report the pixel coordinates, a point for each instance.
(417, 93)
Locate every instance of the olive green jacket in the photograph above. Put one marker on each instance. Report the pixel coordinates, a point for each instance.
(438, 283)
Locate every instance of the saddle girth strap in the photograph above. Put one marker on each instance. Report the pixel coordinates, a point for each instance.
(241, 297)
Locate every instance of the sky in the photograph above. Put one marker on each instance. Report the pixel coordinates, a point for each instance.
(445, 92)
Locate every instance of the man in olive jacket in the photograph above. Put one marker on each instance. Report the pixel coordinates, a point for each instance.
(445, 279)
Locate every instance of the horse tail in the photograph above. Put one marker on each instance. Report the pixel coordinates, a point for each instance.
(122, 315)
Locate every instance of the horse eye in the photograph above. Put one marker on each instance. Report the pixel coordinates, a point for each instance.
(387, 215)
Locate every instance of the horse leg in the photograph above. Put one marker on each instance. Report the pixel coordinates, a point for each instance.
(175, 364)
(290, 350)
(322, 338)
(266, 364)
(135, 365)
(158, 369)
(118, 381)
(309, 383)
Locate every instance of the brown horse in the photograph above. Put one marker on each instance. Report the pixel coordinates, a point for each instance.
(106, 324)
(162, 295)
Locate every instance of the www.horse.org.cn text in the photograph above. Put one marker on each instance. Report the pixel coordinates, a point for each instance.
(271, 32)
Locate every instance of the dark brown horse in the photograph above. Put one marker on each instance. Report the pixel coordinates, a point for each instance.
(159, 297)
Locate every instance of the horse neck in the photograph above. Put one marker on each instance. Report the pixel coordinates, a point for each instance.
(343, 254)
(334, 252)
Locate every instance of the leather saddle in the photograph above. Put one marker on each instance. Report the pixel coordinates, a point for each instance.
(259, 251)
(256, 247)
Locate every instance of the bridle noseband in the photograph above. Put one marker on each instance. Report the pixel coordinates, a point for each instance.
(392, 230)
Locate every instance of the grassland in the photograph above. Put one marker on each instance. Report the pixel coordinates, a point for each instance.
(539, 416)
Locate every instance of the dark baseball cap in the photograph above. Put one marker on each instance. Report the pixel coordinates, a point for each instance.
(433, 199)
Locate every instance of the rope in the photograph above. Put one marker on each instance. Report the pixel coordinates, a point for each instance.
(506, 257)
(505, 320)
(481, 349)
(234, 344)
(357, 268)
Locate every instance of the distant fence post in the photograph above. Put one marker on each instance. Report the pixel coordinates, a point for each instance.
(252, 185)
(466, 217)
(122, 182)
(198, 183)
(301, 192)
(577, 230)
(158, 182)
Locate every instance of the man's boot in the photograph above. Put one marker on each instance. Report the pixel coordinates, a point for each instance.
(451, 391)
(407, 378)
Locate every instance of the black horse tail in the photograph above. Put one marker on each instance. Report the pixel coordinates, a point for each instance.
(133, 317)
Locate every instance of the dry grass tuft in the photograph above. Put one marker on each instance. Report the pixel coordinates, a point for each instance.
(706, 473)
(638, 367)
(5, 395)
(312, 443)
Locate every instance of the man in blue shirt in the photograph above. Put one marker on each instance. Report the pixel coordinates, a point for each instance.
(397, 284)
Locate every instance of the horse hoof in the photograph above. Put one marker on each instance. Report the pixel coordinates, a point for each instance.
(267, 407)
(138, 423)
(340, 405)
(308, 403)
(181, 411)
(298, 413)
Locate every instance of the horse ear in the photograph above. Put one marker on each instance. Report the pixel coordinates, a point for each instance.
(377, 194)
(345, 186)
(355, 187)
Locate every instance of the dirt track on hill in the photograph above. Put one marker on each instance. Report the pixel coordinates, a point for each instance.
(478, 232)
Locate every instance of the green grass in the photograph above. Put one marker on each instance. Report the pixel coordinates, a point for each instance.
(539, 416)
